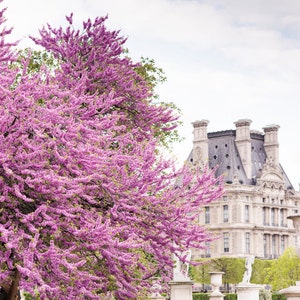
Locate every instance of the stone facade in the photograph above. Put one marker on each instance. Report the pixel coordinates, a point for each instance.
(251, 218)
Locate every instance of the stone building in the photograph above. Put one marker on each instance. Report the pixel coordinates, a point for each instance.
(251, 218)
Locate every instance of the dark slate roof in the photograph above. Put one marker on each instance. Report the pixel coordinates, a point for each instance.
(224, 155)
(258, 154)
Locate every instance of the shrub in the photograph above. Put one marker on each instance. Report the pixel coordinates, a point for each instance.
(205, 296)
(278, 297)
(265, 295)
(230, 297)
(200, 296)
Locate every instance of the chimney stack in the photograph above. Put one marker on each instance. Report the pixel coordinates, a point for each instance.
(243, 142)
(200, 142)
(271, 144)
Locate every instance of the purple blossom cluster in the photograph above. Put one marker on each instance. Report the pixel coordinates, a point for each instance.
(87, 204)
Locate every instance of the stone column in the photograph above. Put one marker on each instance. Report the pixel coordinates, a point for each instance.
(243, 142)
(271, 144)
(200, 143)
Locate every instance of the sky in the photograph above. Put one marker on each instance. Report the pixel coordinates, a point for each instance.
(224, 60)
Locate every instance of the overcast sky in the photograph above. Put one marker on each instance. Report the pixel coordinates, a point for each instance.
(224, 59)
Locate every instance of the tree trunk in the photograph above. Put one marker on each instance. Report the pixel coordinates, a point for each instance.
(14, 287)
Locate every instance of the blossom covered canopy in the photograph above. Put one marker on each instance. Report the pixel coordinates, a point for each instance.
(87, 204)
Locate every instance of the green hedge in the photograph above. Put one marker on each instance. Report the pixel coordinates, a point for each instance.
(278, 297)
(205, 296)
(230, 297)
(200, 296)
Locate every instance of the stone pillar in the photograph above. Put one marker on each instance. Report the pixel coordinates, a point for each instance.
(292, 292)
(181, 290)
(271, 144)
(247, 291)
(243, 142)
(216, 282)
(200, 143)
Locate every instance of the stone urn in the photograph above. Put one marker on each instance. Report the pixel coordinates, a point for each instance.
(216, 282)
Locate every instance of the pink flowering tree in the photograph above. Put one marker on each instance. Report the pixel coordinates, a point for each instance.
(88, 205)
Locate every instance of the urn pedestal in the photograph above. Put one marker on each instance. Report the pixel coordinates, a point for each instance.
(181, 290)
(216, 282)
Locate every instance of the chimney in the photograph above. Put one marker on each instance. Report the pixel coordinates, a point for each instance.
(200, 142)
(271, 144)
(243, 143)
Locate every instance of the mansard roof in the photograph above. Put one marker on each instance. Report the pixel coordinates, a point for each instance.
(223, 154)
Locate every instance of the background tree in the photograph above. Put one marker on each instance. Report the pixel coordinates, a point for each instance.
(232, 267)
(154, 76)
(200, 272)
(260, 269)
(284, 271)
(36, 60)
(278, 273)
(87, 204)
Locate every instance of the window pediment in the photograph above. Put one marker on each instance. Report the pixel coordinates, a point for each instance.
(272, 177)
